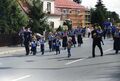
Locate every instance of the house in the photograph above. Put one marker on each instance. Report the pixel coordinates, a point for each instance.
(53, 15)
(78, 14)
(60, 10)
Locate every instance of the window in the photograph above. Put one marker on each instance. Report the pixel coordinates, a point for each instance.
(65, 11)
(78, 12)
(49, 7)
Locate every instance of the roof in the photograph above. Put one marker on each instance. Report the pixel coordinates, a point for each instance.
(68, 4)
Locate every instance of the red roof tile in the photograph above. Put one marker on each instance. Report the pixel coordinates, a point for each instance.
(68, 4)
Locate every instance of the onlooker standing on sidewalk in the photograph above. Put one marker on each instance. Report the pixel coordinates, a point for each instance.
(27, 39)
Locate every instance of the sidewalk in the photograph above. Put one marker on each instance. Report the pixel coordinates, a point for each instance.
(14, 49)
(9, 50)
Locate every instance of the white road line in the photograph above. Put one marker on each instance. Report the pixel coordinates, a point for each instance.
(85, 58)
(1, 64)
(73, 61)
(107, 50)
(21, 78)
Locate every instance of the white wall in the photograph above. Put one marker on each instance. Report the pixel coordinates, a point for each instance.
(56, 20)
(45, 5)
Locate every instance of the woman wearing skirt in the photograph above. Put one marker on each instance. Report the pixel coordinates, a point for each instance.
(64, 40)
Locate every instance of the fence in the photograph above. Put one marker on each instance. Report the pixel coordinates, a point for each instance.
(9, 39)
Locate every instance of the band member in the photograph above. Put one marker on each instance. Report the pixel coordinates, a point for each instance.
(117, 41)
(42, 46)
(57, 45)
(72, 35)
(34, 47)
(54, 41)
(27, 39)
(50, 41)
(64, 39)
(21, 34)
(79, 36)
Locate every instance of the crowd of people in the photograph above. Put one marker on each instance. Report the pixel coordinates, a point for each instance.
(66, 39)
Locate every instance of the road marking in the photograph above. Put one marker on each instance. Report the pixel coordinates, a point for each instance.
(85, 58)
(107, 50)
(0, 63)
(21, 78)
(73, 61)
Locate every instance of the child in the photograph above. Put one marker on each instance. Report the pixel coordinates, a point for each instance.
(42, 46)
(69, 44)
(57, 45)
(33, 47)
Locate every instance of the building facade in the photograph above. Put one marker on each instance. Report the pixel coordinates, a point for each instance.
(52, 13)
(60, 10)
(78, 14)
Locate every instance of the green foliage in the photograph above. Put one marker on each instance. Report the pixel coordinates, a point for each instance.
(68, 23)
(38, 22)
(100, 14)
(11, 17)
(113, 16)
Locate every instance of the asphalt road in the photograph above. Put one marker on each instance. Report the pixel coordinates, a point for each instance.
(50, 67)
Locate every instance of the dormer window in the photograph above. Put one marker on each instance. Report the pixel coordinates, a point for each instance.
(48, 7)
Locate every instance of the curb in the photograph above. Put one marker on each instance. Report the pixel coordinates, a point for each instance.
(11, 51)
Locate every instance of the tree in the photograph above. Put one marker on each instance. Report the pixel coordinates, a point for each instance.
(98, 15)
(68, 23)
(38, 19)
(11, 16)
(113, 16)
(77, 1)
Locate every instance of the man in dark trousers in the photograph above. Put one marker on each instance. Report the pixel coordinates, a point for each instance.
(27, 39)
(96, 41)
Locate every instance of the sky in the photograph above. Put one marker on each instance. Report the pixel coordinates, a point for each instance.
(111, 5)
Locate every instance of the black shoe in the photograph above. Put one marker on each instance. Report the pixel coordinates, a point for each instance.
(101, 54)
(59, 52)
(116, 52)
(42, 53)
(27, 54)
(69, 56)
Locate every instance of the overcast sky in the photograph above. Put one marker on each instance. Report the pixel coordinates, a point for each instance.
(111, 5)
